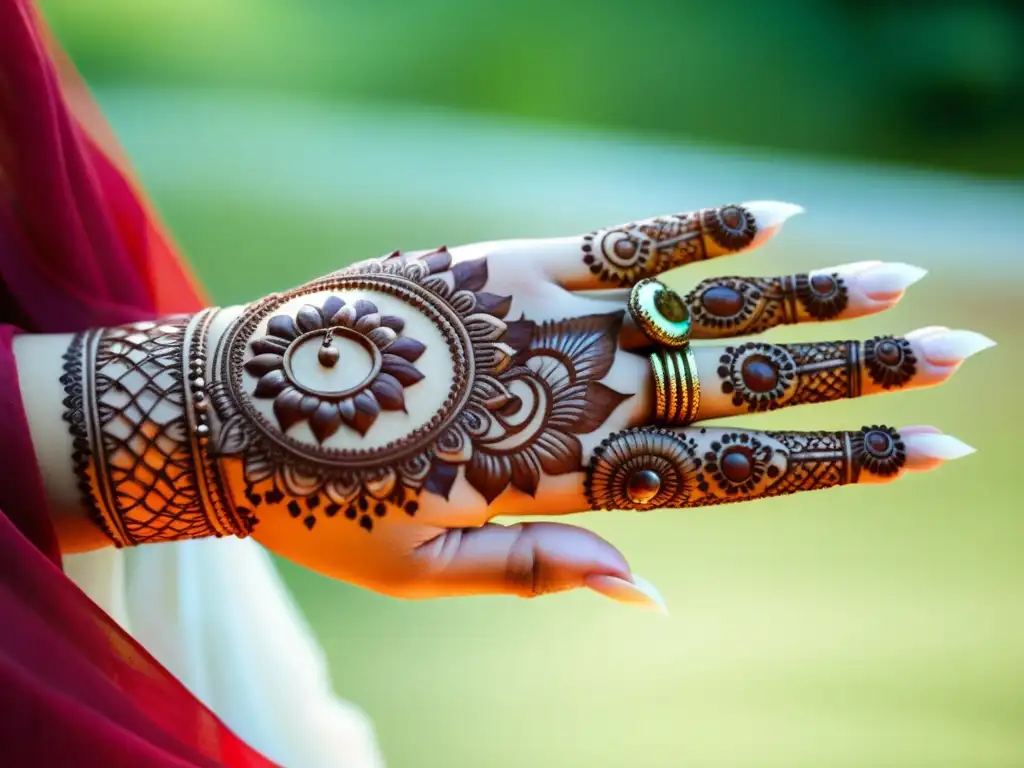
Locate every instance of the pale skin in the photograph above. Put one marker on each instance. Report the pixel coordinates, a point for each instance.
(454, 546)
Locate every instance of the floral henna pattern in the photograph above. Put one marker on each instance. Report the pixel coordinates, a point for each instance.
(314, 385)
(693, 468)
(890, 361)
(359, 403)
(557, 396)
(739, 306)
(625, 254)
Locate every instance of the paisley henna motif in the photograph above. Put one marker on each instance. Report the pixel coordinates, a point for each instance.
(706, 467)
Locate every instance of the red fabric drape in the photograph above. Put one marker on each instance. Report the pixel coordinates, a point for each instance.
(78, 248)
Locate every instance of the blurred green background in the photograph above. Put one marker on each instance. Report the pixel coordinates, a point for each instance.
(863, 627)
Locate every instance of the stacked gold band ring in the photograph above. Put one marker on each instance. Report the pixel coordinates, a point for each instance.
(661, 315)
(676, 386)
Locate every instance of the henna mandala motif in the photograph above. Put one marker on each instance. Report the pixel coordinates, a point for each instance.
(633, 469)
(309, 392)
(880, 449)
(733, 306)
(504, 400)
(642, 469)
(737, 463)
(625, 254)
(890, 361)
(822, 296)
(769, 376)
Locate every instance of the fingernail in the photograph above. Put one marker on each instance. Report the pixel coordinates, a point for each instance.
(769, 215)
(919, 430)
(942, 447)
(638, 592)
(953, 347)
(887, 281)
(922, 333)
(854, 267)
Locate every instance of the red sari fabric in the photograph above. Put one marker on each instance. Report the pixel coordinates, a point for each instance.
(78, 248)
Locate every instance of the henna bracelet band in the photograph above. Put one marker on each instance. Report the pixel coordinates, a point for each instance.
(136, 402)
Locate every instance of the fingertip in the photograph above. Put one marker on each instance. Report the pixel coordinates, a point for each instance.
(936, 446)
(770, 215)
(635, 591)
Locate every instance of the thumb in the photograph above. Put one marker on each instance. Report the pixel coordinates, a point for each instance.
(528, 560)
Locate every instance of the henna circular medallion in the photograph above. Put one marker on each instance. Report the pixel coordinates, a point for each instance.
(617, 255)
(764, 376)
(311, 363)
(731, 226)
(660, 313)
(641, 469)
(823, 296)
(737, 463)
(730, 304)
(890, 361)
(408, 345)
(880, 451)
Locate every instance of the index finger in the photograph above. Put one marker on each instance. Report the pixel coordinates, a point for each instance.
(620, 256)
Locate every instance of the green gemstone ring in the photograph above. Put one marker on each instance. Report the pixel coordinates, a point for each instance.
(660, 313)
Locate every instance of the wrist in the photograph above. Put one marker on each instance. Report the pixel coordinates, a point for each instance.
(137, 406)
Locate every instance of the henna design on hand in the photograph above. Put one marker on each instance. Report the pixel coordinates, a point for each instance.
(740, 306)
(139, 432)
(769, 376)
(649, 468)
(327, 402)
(504, 400)
(890, 361)
(560, 396)
(626, 254)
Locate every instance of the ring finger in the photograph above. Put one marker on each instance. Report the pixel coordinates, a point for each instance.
(755, 376)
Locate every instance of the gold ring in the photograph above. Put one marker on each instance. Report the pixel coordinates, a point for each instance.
(676, 386)
(660, 313)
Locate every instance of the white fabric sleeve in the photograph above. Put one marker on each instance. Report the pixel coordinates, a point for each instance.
(216, 615)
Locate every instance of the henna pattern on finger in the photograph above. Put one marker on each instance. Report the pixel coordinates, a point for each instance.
(763, 377)
(739, 306)
(695, 468)
(350, 396)
(623, 255)
(890, 361)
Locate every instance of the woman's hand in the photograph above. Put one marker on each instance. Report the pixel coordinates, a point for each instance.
(376, 421)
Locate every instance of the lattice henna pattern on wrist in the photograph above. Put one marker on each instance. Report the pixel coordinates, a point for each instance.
(137, 453)
(427, 376)
(650, 468)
